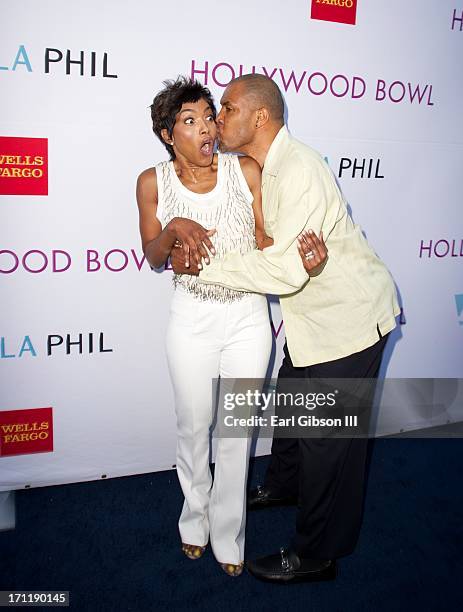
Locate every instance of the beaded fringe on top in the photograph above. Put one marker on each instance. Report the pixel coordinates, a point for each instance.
(231, 214)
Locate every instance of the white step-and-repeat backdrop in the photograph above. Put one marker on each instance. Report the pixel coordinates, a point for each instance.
(375, 86)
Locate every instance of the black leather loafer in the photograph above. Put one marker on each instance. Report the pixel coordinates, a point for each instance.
(262, 497)
(287, 567)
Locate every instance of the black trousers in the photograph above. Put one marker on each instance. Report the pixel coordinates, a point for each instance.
(326, 474)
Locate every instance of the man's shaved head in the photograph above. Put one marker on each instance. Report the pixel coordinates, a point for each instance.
(251, 114)
(265, 93)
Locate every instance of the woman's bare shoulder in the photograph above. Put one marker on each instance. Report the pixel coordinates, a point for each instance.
(147, 186)
(251, 170)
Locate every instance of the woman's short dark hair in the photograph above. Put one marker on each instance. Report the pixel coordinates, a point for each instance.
(168, 103)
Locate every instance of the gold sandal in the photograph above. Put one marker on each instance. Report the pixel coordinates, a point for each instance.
(192, 551)
(233, 570)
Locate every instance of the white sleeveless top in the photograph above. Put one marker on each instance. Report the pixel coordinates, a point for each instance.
(227, 208)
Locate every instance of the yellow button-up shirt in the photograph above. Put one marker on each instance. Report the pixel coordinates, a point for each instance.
(338, 312)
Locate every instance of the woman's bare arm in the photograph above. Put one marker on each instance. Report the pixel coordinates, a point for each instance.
(156, 242)
(252, 174)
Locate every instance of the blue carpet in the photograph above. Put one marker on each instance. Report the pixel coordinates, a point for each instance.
(113, 544)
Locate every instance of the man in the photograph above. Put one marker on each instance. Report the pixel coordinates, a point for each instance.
(336, 324)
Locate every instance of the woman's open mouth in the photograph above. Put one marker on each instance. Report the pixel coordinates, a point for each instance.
(207, 147)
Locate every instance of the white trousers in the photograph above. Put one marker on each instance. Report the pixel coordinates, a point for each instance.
(206, 340)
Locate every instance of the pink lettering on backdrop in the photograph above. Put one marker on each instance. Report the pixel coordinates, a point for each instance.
(316, 82)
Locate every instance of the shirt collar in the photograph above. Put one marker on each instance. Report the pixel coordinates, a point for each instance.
(275, 154)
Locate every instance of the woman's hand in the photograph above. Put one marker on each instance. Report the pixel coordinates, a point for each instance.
(313, 252)
(263, 241)
(194, 239)
(177, 261)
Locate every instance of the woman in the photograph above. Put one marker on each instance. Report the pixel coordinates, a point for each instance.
(213, 331)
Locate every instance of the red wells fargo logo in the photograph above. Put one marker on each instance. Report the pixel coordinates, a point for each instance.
(26, 431)
(340, 11)
(23, 166)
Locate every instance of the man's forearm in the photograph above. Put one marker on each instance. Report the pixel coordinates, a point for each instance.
(258, 271)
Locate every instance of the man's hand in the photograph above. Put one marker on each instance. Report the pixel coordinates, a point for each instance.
(313, 252)
(194, 240)
(177, 260)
